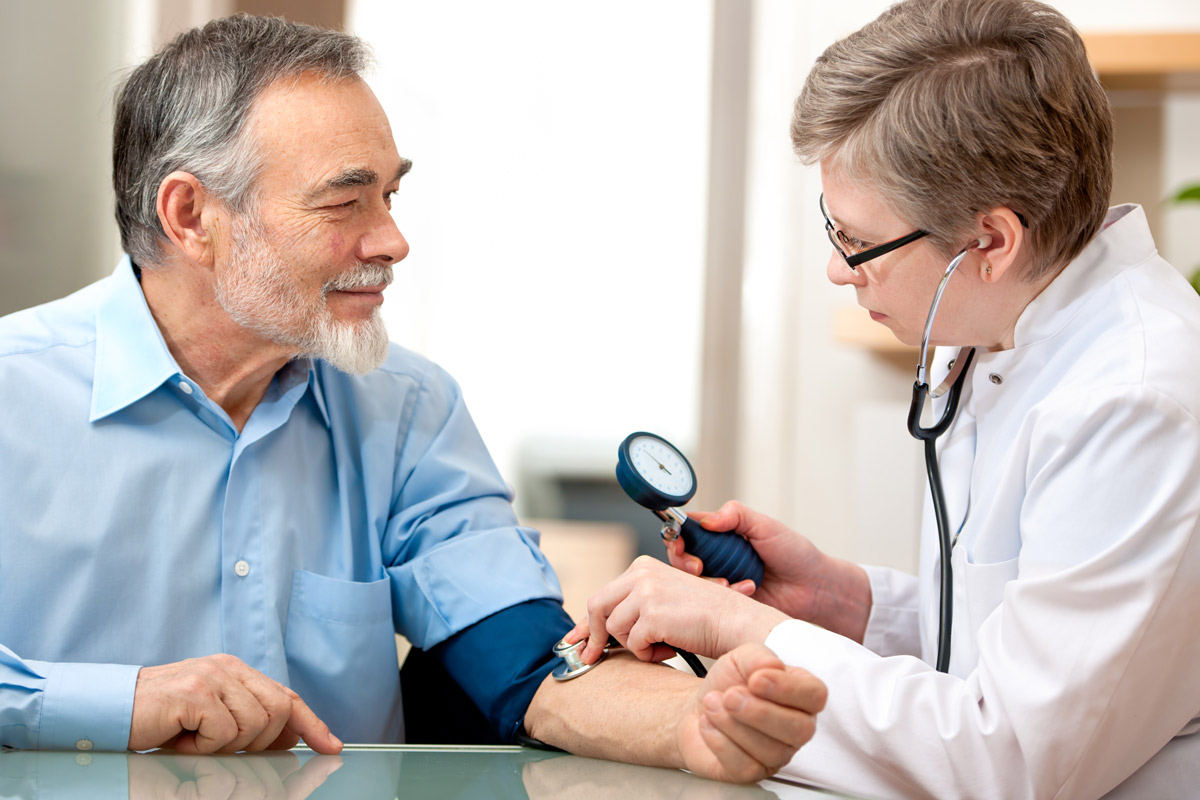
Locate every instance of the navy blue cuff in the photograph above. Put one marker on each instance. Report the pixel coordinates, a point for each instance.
(501, 660)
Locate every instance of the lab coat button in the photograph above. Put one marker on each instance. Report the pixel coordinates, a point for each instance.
(242, 569)
(84, 744)
(996, 379)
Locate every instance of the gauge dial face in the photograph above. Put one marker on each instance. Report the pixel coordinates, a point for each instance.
(661, 465)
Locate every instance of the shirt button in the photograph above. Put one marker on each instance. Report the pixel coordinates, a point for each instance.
(242, 569)
(84, 744)
(185, 387)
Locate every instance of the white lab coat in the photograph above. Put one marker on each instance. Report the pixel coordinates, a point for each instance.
(1073, 470)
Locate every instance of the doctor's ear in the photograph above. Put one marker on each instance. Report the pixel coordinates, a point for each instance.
(1000, 242)
(186, 213)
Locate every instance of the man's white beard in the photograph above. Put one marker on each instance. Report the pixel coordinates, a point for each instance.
(258, 293)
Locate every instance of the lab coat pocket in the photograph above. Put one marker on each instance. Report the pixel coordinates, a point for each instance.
(341, 652)
(978, 590)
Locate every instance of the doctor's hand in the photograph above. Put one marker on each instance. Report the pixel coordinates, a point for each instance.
(749, 717)
(652, 605)
(218, 704)
(798, 579)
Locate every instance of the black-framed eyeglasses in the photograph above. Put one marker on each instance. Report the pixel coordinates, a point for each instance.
(856, 252)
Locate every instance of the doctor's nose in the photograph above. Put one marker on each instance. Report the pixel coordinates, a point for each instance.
(840, 274)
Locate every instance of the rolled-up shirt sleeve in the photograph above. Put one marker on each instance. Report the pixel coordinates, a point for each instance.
(59, 706)
(456, 552)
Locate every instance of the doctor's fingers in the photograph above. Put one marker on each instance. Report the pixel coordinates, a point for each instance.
(680, 559)
(647, 626)
(599, 606)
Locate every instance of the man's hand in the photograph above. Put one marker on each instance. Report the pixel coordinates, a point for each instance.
(750, 716)
(741, 723)
(218, 704)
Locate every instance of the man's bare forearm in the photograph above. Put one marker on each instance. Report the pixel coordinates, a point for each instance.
(741, 723)
(622, 710)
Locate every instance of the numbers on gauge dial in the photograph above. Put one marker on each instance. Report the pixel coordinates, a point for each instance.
(660, 465)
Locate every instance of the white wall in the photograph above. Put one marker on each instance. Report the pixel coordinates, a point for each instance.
(59, 62)
(555, 211)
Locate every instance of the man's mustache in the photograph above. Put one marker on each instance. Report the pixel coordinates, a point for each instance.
(363, 275)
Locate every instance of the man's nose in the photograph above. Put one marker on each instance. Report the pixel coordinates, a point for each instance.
(383, 242)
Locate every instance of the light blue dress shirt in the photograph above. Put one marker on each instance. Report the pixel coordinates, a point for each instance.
(139, 527)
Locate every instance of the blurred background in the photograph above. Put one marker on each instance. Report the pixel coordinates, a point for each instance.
(609, 233)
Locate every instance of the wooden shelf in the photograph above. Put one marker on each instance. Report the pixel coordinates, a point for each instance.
(1150, 60)
(852, 326)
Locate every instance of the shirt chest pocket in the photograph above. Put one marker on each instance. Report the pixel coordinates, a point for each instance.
(341, 652)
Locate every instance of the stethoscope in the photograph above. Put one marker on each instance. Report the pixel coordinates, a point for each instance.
(952, 388)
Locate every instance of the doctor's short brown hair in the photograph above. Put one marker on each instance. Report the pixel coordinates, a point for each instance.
(949, 108)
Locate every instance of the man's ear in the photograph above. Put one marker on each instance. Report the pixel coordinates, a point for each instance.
(1001, 243)
(182, 205)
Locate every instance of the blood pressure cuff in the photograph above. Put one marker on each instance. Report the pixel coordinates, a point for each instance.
(500, 661)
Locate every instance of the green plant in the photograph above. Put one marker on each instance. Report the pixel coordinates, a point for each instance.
(1189, 194)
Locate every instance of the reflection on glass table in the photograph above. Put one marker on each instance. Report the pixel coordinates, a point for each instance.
(362, 773)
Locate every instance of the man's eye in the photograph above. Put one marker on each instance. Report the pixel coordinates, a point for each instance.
(387, 198)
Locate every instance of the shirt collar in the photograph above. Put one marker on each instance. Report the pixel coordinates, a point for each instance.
(1124, 241)
(316, 388)
(132, 359)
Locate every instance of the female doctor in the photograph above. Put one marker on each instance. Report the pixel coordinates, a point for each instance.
(1072, 469)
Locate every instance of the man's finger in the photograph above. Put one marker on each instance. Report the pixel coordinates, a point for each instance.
(790, 686)
(248, 712)
(208, 726)
(735, 763)
(771, 733)
(308, 726)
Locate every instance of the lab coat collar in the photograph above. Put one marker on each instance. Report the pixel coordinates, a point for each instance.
(1124, 241)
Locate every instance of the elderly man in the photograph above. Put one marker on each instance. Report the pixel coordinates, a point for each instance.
(223, 490)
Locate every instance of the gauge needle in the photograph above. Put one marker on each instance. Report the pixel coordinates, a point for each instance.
(660, 464)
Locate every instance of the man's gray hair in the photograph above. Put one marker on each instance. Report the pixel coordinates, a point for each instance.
(186, 109)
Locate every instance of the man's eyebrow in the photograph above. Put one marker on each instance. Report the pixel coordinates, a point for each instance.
(358, 176)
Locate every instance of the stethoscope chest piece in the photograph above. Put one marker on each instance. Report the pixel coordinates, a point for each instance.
(572, 665)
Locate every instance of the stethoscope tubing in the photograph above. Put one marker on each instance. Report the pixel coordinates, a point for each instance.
(953, 385)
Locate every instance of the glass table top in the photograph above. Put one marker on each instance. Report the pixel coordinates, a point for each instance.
(362, 773)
